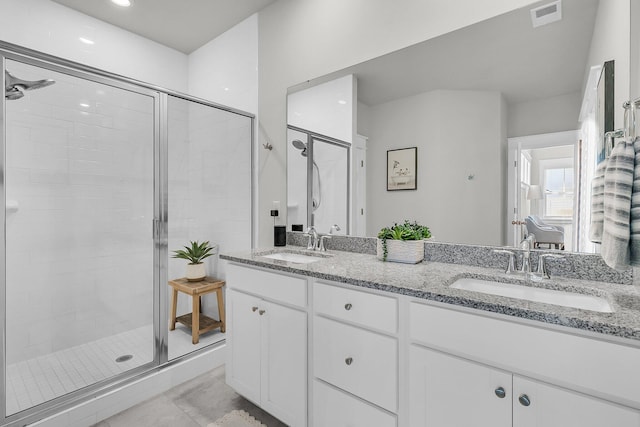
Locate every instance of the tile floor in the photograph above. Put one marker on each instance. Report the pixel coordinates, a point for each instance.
(195, 403)
(43, 378)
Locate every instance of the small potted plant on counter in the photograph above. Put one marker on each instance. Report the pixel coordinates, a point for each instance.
(403, 242)
(195, 254)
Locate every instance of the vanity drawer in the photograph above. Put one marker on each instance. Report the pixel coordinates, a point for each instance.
(334, 408)
(274, 286)
(361, 362)
(370, 310)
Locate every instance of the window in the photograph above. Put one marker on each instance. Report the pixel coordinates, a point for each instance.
(558, 192)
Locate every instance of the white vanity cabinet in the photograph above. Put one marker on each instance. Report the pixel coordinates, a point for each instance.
(355, 357)
(267, 341)
(449, 387)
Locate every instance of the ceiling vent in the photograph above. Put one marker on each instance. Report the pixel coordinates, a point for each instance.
(546, 14)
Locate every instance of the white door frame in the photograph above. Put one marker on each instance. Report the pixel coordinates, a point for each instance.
(515, 145)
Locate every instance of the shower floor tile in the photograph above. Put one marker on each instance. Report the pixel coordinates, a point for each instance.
(35, 381)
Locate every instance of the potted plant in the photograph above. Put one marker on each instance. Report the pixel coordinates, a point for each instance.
(195, 254)
(403, 242)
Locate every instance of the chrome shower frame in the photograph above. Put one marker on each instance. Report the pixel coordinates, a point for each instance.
(160, 96)
(311, 136)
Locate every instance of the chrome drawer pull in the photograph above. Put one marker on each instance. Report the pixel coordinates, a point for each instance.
(254, 309)
(348, 360)
(261, 312)
(347, 307)
(524, 400)
(500, 392)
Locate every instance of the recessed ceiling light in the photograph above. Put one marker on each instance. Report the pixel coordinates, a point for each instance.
(342, 102)
(86, 40)
(85, 105)
(226, 89)
(123, 3)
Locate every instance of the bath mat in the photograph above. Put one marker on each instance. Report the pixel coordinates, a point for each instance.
(237, 418)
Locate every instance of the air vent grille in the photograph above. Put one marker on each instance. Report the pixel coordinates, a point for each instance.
(546, 14)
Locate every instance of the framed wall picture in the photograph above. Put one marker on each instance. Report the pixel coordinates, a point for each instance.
(402, 169)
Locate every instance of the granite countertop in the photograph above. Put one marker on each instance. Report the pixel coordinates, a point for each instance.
(431, 280)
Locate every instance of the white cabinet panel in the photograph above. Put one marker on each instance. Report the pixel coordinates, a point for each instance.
(361, 362)
(334, 408)
(284, 372)
(447, 391)
(364, 308)
(604, 369)
(274, 286)
(556, 407)
(243, 339)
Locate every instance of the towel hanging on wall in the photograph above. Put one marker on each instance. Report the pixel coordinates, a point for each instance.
(635, 209)
(618, 187)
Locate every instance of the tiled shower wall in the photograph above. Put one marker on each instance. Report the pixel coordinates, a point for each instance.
(209, 186)
(79, 246)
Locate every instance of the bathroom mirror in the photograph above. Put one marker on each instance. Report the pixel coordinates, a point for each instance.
(468, 99)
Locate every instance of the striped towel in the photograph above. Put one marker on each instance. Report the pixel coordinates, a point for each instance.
(635, 208)
(597, 204)
(618, 184)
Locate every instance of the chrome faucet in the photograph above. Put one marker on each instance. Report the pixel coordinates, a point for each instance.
(542, 272)
(526, 245)
(313, 243)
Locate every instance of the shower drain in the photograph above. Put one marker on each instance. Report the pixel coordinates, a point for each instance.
(124, 358)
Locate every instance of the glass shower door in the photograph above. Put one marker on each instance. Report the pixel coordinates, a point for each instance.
(80, 254)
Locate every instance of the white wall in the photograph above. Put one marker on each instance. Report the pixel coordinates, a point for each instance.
(54, 29)
(612, 42)
(317, 109)
(548, 115)
(455, 208)
(343, 33)
(225, 70)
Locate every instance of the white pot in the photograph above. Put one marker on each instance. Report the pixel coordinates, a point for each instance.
(195, 272)
(406, 251)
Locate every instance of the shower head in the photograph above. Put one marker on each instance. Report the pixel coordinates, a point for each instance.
(300, 146)
(13, 82)
(14, 86)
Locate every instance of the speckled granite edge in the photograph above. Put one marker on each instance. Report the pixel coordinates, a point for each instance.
(431, 280)
(574, 265)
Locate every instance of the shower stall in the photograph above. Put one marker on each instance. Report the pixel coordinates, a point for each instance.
(318, 184)
(102, 177)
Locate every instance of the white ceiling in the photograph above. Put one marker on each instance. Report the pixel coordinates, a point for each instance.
(184, 25)
(504, 54)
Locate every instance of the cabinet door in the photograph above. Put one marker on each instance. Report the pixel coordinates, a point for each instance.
(284, 363)
(551, 406)
(243, 344)
(446, 391)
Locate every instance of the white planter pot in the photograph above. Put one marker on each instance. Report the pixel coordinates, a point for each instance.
(406, 251)
(195, 272)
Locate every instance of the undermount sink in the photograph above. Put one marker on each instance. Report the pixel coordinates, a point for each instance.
(529, 293)
(296, 258)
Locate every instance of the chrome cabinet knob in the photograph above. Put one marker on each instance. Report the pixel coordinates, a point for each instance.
(261, 312)
(348, 361)
(254, 309)
(524, 400)
(347, 306)
(500, 392)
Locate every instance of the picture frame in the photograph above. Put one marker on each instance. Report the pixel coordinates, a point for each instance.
(402, 169)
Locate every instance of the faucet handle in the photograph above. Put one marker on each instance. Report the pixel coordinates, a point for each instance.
(511, 267)
(542, 265)
(322, 239)
(310, 243)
